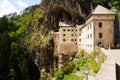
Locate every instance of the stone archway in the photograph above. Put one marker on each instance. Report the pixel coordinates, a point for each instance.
(100, 44)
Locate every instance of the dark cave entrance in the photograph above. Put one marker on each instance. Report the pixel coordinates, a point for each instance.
(61, 15)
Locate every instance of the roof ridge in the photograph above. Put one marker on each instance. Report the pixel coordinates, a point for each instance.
(102, 10)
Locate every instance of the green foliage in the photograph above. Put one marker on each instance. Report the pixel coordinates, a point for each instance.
(65, 70)
(13, 62)
(49, 77)
(95, 67)
(82, 53)
(86, 62)
(68, 68)
(3, 24)
(59, 75)
(12, 74)
(98, 55)
(115, 5)
(83, 62)
(73, 76)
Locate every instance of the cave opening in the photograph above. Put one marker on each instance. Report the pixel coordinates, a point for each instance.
(61, 15)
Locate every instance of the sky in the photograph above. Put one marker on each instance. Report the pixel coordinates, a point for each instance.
(11, 6)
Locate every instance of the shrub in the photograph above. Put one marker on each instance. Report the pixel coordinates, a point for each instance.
(68, 68)
(73, 76)
(82, 53)
(95, 66)
(65, 70)
(59, 75)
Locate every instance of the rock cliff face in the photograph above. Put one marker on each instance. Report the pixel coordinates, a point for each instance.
(41, 47)
(70, 11)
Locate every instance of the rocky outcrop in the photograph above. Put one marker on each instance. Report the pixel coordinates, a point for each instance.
(70, 11)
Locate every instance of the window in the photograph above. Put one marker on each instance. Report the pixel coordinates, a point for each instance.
(99, 44)
(72, 39)
(75, 39)
(76, 29)
(75, 34)
(68, 29)
(100, 35)
(79, 29)
(64, 30)
(100, 25)
(64, 34)
(64, 40)
(79, 40)
(72, 34)
(90, 45)
(79, 34)
(72, 30)
(90, 35)
(90, 26)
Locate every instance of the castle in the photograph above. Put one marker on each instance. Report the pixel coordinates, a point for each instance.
(98, 30)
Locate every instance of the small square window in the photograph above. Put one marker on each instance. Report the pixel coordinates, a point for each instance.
(100, 35)
(72, 39)
(72, 34)
(64, 40)
(79, 34)
(68, 29)
(72, 30)
(79, 40)
(64, 30)
(64, 34)
(79, 29)
(75, 34)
